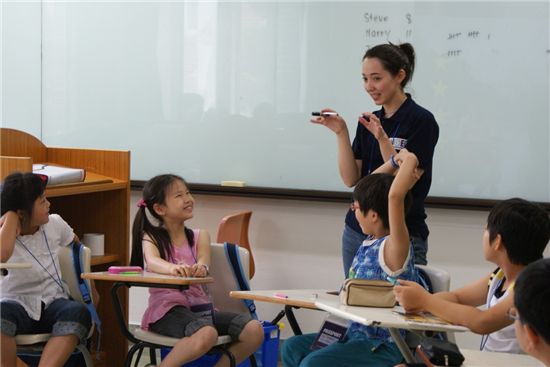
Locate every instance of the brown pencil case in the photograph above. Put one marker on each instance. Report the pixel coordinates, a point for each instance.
(367, 293)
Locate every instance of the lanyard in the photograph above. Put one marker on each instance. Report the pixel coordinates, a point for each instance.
(58, 280)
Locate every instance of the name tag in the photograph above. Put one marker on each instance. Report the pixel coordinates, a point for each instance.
(398, 143)
(204, 311)
(333, 330)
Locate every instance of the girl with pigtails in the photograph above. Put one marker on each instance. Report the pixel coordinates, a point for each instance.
(162, 243)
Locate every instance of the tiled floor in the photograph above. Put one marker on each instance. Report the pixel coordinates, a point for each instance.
(145, 360)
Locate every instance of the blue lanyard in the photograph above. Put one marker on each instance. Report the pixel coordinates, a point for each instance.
(58, 280)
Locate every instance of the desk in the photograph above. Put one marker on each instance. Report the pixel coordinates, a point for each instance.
(4, 267)
(15, 265)
(295, 298)
(145, 279)
(371, 316)
(383, 317)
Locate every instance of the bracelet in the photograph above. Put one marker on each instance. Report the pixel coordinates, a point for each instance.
(393, 162)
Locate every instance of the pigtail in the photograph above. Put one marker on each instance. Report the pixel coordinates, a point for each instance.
(190, 236)
(146, 222)
(136, 258)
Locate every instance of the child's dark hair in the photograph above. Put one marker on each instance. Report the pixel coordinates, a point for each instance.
(19, 192)
(532, 297)
(371, 193)
(154, 192)
(394, 58)
(524, 228)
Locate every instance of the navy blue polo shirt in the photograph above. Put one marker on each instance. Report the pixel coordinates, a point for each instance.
(412, 127)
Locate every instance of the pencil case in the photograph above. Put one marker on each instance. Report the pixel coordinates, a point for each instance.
(124, 269)
(367, 293)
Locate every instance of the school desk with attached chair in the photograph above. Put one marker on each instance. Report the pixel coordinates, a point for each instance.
(144, 279)
(220, 269)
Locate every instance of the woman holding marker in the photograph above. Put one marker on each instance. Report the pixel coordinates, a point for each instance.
(400, 123)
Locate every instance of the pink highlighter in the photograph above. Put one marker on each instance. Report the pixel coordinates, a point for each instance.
(125, 270)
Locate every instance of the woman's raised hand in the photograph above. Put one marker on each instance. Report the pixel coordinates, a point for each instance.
(372, 123)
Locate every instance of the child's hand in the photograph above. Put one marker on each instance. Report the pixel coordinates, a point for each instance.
(410, 295)
(180, 270)
(373, 125)
(199, 270)
(403, 155)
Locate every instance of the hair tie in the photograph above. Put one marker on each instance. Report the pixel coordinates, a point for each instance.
(141, 203)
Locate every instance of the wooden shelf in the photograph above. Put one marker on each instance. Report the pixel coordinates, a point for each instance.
(99, 204)
(105, 259)
(93, 183)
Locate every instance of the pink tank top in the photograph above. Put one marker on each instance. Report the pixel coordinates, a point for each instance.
(161, 300)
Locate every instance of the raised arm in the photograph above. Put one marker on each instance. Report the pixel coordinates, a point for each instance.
(348, 166)
(10, 227)
(375, 127)
(397, 245)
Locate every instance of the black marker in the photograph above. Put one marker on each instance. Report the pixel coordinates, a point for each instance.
(324, 114)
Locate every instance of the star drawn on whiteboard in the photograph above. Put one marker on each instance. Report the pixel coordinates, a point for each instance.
(440, 88)
(441, 63)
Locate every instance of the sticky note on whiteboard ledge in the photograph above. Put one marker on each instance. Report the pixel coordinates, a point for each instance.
(234, 183)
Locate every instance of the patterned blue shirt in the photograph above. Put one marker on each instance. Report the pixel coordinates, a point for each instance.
(368, 263)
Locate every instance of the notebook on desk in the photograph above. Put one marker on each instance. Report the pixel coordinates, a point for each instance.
(55, 175)
(423, 318)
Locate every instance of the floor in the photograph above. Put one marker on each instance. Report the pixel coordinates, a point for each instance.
(145, 360)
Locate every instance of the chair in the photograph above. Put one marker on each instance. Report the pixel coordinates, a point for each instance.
(35, 342)
(233, 228)
(440, 279)
(223, 284)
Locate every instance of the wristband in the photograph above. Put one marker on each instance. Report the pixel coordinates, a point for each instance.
(393, 162)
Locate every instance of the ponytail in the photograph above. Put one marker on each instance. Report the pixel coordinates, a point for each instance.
(394, 58)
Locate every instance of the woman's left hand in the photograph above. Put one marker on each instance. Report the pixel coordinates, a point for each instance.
(373, 125)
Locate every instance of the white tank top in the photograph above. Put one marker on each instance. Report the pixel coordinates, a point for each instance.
(503, 340)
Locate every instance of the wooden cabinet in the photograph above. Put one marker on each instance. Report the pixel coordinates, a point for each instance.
(99, 204)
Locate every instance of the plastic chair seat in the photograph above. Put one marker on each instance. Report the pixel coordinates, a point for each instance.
(154, 338)
(36, 342)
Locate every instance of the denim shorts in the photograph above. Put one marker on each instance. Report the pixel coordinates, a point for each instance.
(61, 317)
(180, 322)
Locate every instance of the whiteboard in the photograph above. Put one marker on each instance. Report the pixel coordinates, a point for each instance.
(224, 90)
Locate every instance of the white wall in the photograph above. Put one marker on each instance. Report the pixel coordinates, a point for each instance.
(296, 244)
